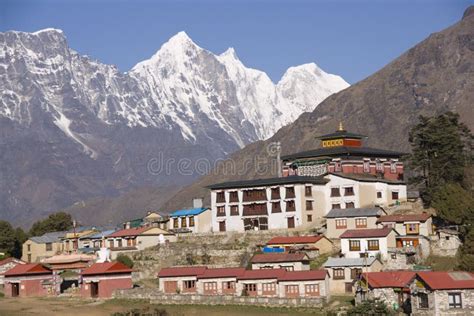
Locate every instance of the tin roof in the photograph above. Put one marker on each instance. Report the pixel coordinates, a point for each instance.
(278, 257)
(268, 182)
(440, 280)
(49, 237)
(422, 217)
(355, 212)
(386, 279)
(348, 262)
(221, 273)
(106, 268)
(129, 232)
(28, 269)
(366, 233)
(189, 212)
(304, 275)
(282, 240)
(262, 274)
(181, 271)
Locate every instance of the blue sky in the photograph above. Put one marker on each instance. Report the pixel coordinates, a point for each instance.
(350, 38)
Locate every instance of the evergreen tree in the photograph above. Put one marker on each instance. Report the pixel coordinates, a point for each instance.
(7, 238)
(441, 149)
(55, 222)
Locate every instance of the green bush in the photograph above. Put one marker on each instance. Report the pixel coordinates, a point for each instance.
(370, 307)
(126, 260)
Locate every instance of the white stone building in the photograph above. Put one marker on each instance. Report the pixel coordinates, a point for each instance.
(368, 242)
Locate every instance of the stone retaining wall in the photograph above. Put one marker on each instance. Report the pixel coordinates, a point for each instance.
(156, 297)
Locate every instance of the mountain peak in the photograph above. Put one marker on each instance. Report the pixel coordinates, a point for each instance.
(49, 30)
(230, 52)
(180, 39)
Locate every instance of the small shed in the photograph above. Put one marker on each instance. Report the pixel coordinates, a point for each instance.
(100, 280)
(31, 279)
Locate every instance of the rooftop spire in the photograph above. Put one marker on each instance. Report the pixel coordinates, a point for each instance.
(341, 128)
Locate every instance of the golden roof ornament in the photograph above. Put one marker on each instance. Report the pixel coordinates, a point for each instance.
(341, 128)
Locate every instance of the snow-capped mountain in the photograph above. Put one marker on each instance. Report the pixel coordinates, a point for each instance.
(72, 128)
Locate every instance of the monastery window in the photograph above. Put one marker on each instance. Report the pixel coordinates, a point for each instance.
(412, 229)
(373, 245)
(350, 205)
(366, 165)
(341, 223)
(275, 193)
(312, 289)
(252, 287)
(308, 191)
(348, 191)
(210, 286)
(292, 289)
(191, 221)
(290, 192)
(234, 210)
(175, 222)
(393, 167)
(379, 194)
(120, 243)
(309, 205)
(354, 245)
(255, 195)
(269, 288)
(233, 196)
(423, 301)
(220, 197)
(338, 274)
(29, 247)
(49, 246)
(290, 206)
(454, 300)
(355, 273)
(309, 218)
(228, 285)
(335, 192)
(183, 222)
(378, 166)
(394, 195)
(220, 211)
(337, 166)
(336, 206)
(276, 207)
(189, 284)
(361, 222)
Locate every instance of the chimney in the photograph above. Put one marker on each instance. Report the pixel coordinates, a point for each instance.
(197, 203)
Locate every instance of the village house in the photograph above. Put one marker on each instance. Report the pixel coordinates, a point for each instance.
(317, 243)
(39, 247)
(7, 264)
(196, 220)
(410, 227)
(443, 293)
(135, 239)
(179, 279)
(358, 243)
(393, 287)
(261, 283)
(156, 220)
(340, 220)
(344, 152)
(307, 284)
(344, 272)
(93, 242)
(289, 261)
(30, 279)
(100, 280)
(219, 281)
(445, 242)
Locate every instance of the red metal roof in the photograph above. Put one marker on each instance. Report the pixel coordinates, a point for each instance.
(440, 280)
(398, 279)
(10, 259)
(222, 273)
(422, 217)
(366, 233)
(28, 269)
(294, 240)
(129, 232)
(106, 268)
(181, 271)
(304, 275)
(278, 257)
(262, 274)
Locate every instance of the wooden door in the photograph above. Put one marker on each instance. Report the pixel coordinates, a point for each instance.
(15, 289)
(222, 226)
(94, 289)
(171, 286)
(291, 222)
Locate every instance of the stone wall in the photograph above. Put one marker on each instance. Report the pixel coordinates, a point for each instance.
(156, 297)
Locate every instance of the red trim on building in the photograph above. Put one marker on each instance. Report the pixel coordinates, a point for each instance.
(399, 279)
(366, 233)
(423, 217)
(131, 232)
(28, 269)
(181, 271)
(106, 268)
